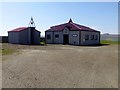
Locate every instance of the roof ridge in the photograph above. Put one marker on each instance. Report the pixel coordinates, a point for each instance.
(84, 26)
(76, 26)
(58, 25)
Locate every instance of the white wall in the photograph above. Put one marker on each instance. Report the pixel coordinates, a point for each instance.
(89, 42)
(74, 40)
(60, 39)
(53, 39)
(49, 41)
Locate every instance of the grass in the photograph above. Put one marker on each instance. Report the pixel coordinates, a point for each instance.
(7, 51)
(109, 42)
(42, 43)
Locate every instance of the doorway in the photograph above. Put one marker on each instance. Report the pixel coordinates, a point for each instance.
(65, 39)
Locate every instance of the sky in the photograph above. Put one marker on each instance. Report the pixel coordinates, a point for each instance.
(102, 16)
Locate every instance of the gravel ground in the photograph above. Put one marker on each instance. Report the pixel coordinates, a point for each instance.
(61, 66)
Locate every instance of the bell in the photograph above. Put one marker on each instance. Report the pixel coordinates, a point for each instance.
(31, 22)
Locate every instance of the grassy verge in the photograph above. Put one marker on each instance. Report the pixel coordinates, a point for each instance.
(42, 43)
(109, 42)
(7, 51)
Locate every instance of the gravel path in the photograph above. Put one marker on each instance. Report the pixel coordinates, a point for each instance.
(62, 66)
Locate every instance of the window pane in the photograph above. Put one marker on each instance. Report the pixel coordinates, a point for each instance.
(92, 37)
(86, 37)
(96, 37)
(48, 37)
(56, 36)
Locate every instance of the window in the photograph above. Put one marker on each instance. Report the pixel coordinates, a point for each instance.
(96, 37)
(74, 35)
(92, 37)
(48, 36)
(65, 30)
(86, 37)
(56, 36)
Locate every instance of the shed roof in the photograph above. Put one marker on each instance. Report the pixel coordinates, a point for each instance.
(20, 29)
(71, 26)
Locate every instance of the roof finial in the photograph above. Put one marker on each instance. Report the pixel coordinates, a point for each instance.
(31, 23)
(70, 20)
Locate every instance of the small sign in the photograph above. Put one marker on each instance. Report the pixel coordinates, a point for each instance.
(74, 35)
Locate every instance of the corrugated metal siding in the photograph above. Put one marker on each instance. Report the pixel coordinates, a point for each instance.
(36, 37)
(13, 37)
(23, 37)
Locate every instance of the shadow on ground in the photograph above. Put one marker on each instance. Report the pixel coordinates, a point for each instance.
(98, 45)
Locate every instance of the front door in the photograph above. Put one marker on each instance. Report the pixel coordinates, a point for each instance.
(66, 39)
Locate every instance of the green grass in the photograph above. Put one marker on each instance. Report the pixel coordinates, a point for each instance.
(109, 42)
(42, 43)
(7, 51)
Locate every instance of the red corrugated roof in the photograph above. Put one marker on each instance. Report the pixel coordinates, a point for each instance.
(18, 29)
(71, 26)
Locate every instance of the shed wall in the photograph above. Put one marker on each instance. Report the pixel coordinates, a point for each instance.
(23, 37)
(36, 37)
(13, 37)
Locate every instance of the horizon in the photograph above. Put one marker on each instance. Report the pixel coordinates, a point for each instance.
(102, 16)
